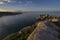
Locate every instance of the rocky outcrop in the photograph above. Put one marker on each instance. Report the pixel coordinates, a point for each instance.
(44, 31)
(22, 34)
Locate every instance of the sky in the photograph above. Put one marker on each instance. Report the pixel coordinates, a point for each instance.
(29, 5)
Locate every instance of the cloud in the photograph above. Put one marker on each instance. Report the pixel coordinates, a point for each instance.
(1, 2)
(21, 3)
(7, 1)
(27, 3)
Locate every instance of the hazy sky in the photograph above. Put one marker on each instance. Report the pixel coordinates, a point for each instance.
(29, 5)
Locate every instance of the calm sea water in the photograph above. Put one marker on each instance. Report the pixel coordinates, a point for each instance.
(11, 24)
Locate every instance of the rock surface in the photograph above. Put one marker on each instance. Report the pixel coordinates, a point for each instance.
(44, 31)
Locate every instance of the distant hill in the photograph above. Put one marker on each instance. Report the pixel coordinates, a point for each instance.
(9, 13)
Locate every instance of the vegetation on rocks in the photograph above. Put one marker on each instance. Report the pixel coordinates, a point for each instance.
(21, 35)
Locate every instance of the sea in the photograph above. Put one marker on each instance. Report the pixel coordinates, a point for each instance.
(13, 23)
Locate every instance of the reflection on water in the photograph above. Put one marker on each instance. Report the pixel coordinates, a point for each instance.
(10, 24)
